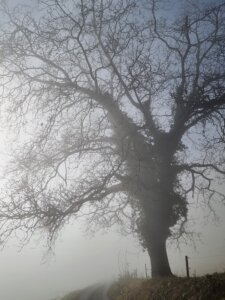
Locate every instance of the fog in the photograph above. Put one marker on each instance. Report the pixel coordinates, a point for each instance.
(80, 260)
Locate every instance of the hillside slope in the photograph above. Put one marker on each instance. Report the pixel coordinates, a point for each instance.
(209, 287)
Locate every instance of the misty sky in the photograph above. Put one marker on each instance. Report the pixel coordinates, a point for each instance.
(81, 260)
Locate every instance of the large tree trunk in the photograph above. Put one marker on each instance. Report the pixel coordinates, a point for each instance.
(153, 186)
(155, 231)
(158, 256)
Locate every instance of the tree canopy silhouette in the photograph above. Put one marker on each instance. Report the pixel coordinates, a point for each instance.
(118, 107)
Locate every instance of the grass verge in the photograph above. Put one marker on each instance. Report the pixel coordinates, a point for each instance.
(209, 287)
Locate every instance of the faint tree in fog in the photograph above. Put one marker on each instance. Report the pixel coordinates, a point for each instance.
(119, 115)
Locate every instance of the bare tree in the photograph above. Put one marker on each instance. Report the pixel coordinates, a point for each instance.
(119, 115)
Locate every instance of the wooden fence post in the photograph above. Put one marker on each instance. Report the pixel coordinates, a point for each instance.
(187, 266)
(146, 273)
